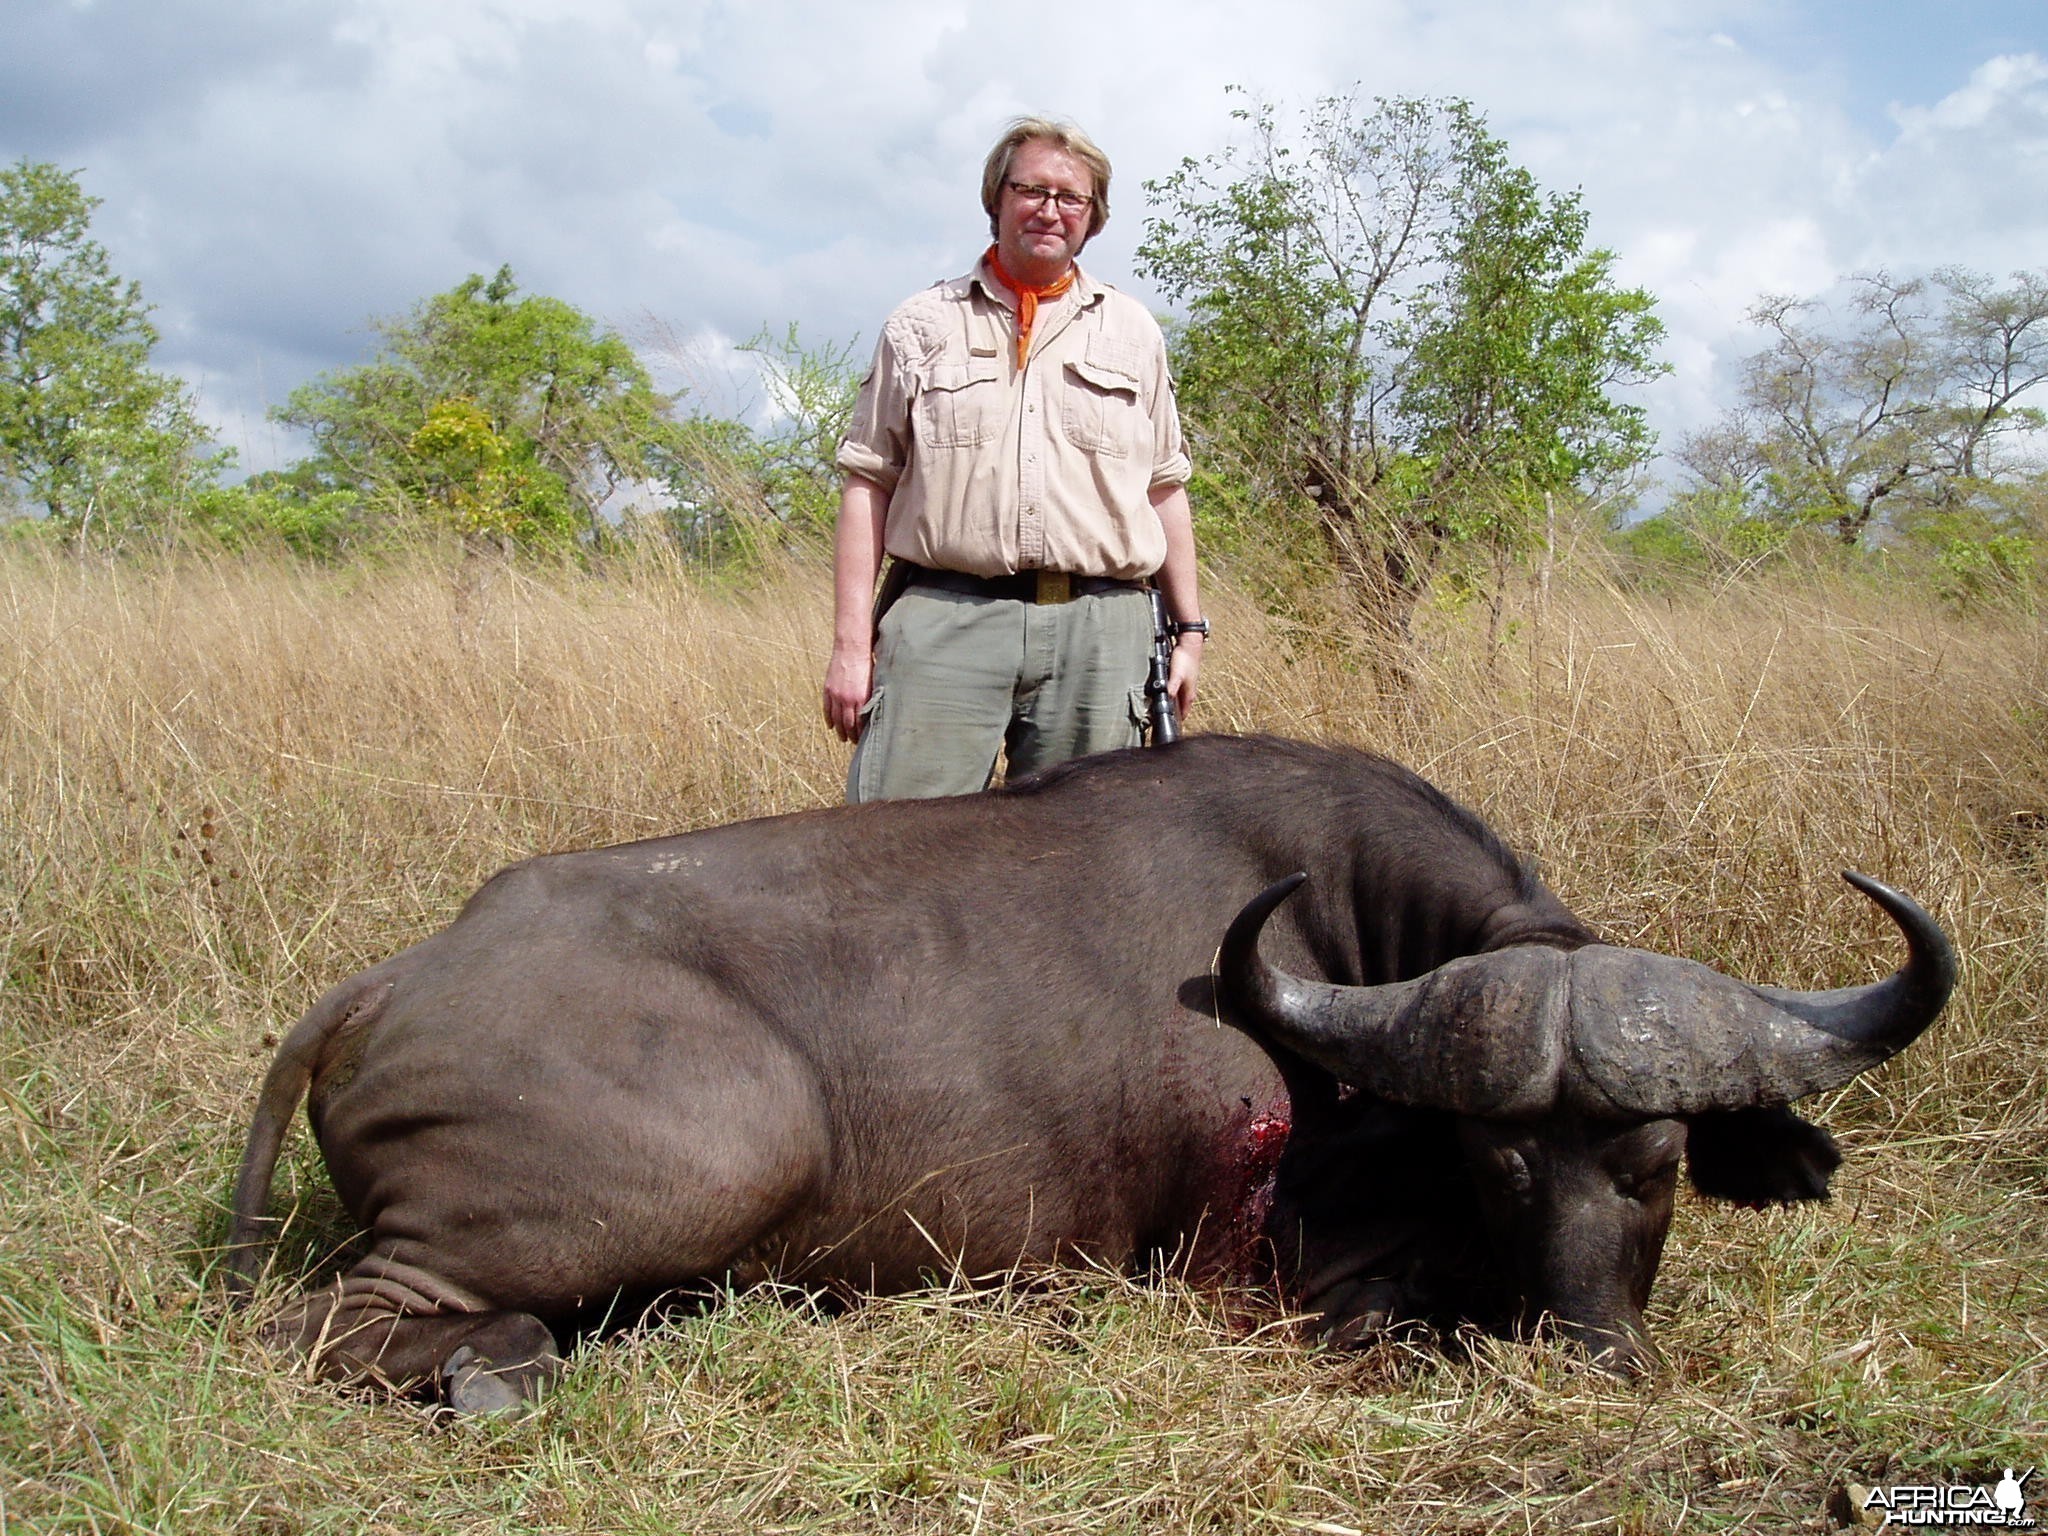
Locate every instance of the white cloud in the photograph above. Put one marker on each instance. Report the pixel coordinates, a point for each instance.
(1966, 180)
(2000, 85)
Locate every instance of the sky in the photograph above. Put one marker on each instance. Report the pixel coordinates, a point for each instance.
(278, 173)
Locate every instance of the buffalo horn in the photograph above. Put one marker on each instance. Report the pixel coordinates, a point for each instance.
(1481, 1035)
(1606, 1031)
(1652, 1034)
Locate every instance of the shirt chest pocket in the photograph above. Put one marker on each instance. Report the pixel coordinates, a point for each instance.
(962, 403)
(1099, 411)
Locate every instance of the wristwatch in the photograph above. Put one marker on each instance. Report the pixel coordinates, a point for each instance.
(1189, 627)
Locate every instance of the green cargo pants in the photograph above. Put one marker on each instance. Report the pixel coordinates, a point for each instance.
(959, 678)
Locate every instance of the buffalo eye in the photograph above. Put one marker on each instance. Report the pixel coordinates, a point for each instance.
(1641, 1162)
(1634, 1185)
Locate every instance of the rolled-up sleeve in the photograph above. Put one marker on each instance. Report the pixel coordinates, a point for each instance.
(877, 441)
(1170, 462)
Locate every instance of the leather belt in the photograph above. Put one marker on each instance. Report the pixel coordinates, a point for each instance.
(1022, 586)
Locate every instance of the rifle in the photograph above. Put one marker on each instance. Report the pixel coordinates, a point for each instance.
(1163, 726)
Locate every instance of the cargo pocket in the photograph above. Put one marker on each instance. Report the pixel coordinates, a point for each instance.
(1100, 412)
(1141, 718)
(961, 404)
(870, 753)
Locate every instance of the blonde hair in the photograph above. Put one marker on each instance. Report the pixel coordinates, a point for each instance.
(1061, 136)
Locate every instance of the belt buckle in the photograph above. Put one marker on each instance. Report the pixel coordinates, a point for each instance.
(1055, 587)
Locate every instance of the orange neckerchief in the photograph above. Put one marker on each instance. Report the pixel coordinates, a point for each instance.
(1027, 300)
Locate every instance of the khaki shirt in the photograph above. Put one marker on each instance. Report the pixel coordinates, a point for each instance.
(992, 469)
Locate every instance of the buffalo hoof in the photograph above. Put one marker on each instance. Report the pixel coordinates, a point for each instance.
(471, 1384)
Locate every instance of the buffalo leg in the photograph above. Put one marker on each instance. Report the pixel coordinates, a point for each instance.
(402, 1327)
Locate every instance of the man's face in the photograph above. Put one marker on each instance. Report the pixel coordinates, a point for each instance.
(1036, 241)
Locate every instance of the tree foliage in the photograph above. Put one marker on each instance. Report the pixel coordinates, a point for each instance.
(1900, 414)
(1394, 335)
(510, 417)
(737, 489)
(88, 433)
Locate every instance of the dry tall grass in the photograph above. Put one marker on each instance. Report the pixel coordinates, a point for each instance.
(228, 785)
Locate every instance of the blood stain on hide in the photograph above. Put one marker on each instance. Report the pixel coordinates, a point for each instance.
(1265, 1140)
(1242, 1182)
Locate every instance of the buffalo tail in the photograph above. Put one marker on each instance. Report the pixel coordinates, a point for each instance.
(353, 1002)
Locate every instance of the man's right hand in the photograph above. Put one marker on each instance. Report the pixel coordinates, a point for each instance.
(849, 683)
(856, 561)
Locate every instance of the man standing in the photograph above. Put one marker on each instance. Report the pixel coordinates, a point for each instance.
(1016, 451)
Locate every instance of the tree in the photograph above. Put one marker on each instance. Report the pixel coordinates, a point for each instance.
(88, 432)
(1905, 410)
(1514, 349)
(1394, 336)
(735, 490)
(503, 416)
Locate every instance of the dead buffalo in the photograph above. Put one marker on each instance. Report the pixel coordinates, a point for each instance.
(860, 1046)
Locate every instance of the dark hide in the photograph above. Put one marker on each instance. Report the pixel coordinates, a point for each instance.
(864, 1046)
(1760, 1157)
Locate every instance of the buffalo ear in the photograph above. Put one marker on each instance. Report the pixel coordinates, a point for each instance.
(1760, 1157)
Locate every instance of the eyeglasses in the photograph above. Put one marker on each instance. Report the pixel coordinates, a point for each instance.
(1069, 203)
